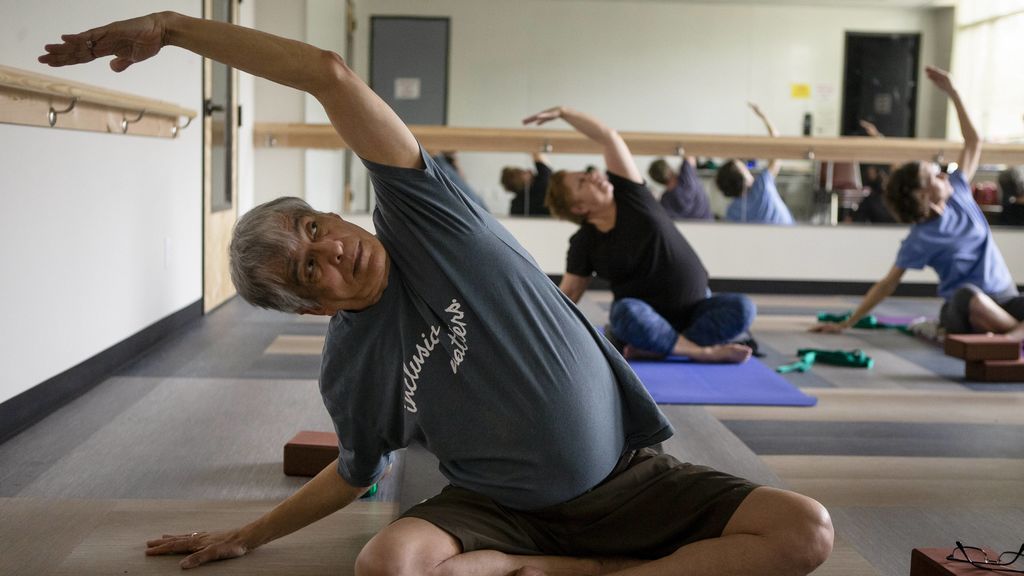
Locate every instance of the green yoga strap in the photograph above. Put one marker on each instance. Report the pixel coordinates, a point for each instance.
(869, 322)
(808, 356)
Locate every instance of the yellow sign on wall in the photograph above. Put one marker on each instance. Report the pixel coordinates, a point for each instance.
(800, 91)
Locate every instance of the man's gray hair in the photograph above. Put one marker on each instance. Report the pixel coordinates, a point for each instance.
(262, 246)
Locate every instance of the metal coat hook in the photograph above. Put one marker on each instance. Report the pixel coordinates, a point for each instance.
(125, 122)
(175, 129)
(546, 147)
(810, 154)
(680, 150)
(940, 157)
(52, 114)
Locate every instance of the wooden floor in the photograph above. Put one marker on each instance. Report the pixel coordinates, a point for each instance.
(188, 438)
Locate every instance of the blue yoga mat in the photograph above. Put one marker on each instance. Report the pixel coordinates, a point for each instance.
(679, 381)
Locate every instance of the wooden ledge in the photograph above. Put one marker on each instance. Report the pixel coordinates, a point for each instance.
(528, 140)
(32, 99)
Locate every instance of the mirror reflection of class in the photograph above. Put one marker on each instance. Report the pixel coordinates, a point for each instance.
(816, 71)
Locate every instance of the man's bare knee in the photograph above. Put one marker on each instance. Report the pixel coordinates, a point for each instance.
(806, 539)
(407, 547)
(818, 537)
(798, 528)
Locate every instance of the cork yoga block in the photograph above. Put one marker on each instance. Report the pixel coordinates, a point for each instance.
(996, 371)
(309, 452)
(932, 562)
(982, 347)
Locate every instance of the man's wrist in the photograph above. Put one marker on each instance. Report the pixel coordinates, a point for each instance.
(253, 535)
(170, 25)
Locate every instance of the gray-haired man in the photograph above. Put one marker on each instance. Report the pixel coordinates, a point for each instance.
(444, 331)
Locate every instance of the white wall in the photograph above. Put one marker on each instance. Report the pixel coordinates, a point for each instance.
(86, 216)
(278, 172)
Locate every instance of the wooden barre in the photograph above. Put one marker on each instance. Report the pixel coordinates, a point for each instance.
(32, 99)
(528, 140)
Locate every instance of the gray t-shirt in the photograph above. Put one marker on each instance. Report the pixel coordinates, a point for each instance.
(474, 352)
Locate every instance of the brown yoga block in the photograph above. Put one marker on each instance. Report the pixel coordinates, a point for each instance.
(309, 452)
(982, 347)
(932, 562)
(996, 370)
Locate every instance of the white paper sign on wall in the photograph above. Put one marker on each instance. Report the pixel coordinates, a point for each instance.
(407, 88)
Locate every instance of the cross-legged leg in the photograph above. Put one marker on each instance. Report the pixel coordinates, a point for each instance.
(988, 316)
(646, 333)
(415, 547)
(772, 533)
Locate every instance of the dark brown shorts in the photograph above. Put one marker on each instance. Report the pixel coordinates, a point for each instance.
(648, 507)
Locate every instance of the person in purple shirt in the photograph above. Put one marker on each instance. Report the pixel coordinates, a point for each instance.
(684, 197)
(754, 199)
(951, 235)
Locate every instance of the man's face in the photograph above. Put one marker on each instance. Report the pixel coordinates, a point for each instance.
(337, 264)
(591, 191)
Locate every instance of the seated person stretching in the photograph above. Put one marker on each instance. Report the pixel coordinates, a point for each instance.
(1011, 185)
(872, 208)
(684, 197)
(529, 187)
(951, 235)
(536, 421)
(754, 199)
(662, 302)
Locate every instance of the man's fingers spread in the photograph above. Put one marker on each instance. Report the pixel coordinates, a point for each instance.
(59, 48)
(166, 548)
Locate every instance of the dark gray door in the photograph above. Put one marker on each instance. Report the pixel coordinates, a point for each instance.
(409, 66)
(880, 83)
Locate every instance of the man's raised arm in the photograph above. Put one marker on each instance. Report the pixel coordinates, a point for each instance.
(367, 124)
(617, 157)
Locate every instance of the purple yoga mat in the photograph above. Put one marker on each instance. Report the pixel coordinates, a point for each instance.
(679, 381)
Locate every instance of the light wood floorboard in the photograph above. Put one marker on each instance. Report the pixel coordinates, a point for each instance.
(870, 481)
(295, 344)
(108, 537)
(891, 405)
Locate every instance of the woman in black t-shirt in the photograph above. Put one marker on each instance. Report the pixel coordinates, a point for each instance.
(662, 303)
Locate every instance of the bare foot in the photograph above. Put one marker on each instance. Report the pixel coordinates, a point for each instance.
(630, 352)
(722, 353)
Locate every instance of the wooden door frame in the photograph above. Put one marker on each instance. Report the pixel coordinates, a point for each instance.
(217, 225)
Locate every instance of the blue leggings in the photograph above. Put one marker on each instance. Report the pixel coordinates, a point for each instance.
(715, 320)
